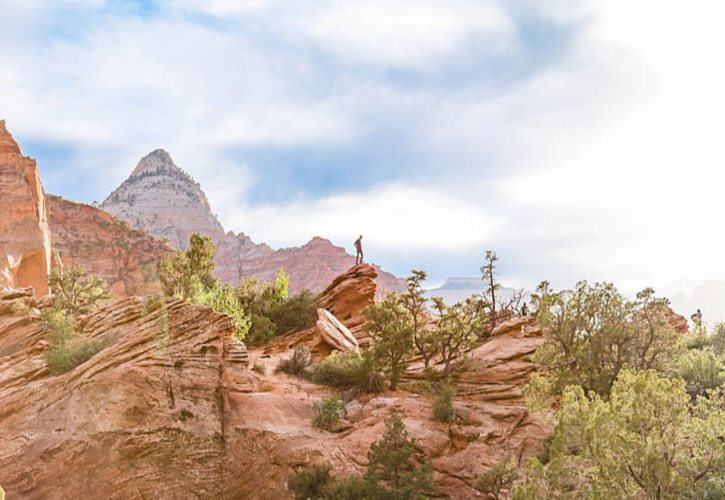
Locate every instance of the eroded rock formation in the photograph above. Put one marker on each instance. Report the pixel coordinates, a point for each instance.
(345, 298)
(144, 417)
(25, 240)
(127, 258)
(168, 203)
(169, 409)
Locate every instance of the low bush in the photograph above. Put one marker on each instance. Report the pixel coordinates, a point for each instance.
(296, 364)
(443, 410)
(326, 413)
(702, 370)
(310, 482)
(66, 349)
(349, 369)
(295, 313)
(222, 299)
(499, 477)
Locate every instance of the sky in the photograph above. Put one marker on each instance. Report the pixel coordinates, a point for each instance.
(580, 139)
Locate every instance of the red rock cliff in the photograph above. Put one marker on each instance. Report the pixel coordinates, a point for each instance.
(125, 257)
(25, 243)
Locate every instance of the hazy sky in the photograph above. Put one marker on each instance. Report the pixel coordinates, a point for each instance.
(580, 139)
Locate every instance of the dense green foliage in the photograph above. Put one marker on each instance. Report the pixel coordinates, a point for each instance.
(272, 312)
(391, 329)
(297, 363)
(414, 302)
(499, 477)
(67, 350)
(393, 472)
(456, 329)
(353, 369)
(222, 299)
(75, 291)
(259, 310)
(185, 273)
(326, 413)
(592, 333)
(310, 482)
(391, 463)
(443, 410)
(645, 441)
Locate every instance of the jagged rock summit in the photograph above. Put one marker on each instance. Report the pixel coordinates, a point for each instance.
(164, 201)
(25, 244)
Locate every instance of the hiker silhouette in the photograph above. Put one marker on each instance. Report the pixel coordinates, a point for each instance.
(359, 250)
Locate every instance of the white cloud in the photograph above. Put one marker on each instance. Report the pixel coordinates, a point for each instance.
(391, 217)
(407, 33)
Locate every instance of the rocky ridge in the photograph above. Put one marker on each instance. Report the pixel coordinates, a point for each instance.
(25, 243)
(170, 408)
(166, 202)
(127, 258)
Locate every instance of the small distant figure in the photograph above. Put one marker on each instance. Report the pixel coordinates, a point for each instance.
(358, 248)
(697, 318)
(525, 309)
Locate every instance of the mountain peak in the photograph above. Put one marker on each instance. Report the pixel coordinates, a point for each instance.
(155, 159)
(8, 146)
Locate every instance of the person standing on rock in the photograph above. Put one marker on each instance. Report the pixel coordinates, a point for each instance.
(358, 248)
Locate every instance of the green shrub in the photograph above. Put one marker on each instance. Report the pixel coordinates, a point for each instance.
(296, 364)
(349, 369)
(66, 349)
(326, 413)
(392, 465)
(257, 368)
(310, 482)
(298, 312)
(223, 300)
(443, 410)
(76, 291)
(499, 477)
(353, 487)
(702, 370)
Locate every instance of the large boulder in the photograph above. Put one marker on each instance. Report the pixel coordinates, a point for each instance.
(25, 244)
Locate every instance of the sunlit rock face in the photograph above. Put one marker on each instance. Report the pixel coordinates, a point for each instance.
(164, 201)
(167, 203)
(126, 257)
(25, 242)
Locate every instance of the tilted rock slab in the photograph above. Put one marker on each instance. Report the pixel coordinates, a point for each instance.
(334, 332)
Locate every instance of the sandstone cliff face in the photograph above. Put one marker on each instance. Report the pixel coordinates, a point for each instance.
(167, 203)
(25, 243)
(164, 201)
(143, 418)
(125, 257)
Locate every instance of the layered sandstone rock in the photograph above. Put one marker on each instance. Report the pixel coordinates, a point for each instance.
(169, 409)
(127, 258)
(25, 242)
(345, 298)
(144, 417)
(167, 203)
